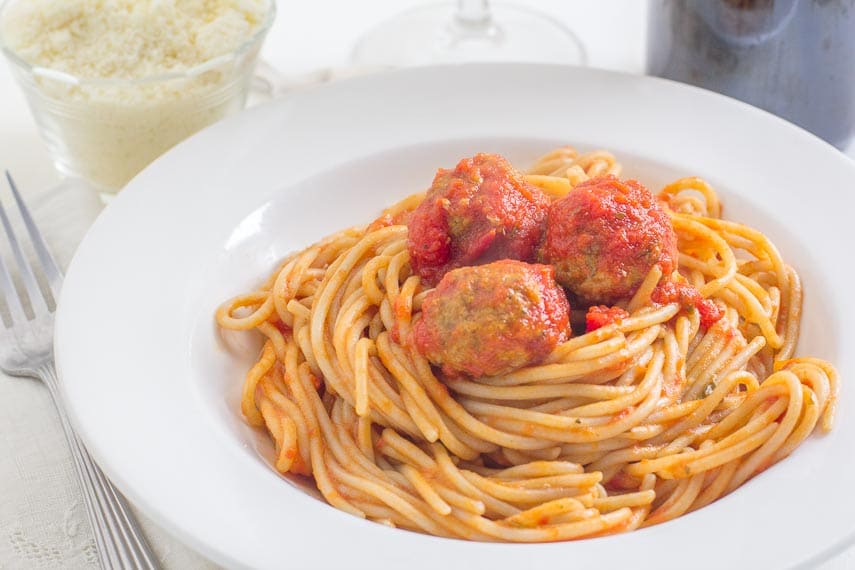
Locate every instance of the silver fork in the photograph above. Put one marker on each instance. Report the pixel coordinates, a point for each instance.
(26, 349)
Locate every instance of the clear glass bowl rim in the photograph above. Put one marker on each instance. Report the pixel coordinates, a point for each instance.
(72, 79)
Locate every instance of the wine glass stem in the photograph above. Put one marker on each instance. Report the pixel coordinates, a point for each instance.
(473, 12)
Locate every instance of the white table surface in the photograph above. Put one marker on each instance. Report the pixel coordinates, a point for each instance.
(42, 521)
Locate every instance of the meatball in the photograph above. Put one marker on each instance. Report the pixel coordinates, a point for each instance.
(481, 211)
(605, 236)
(492, 319)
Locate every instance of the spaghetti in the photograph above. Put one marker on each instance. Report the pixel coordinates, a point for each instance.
(632, 424)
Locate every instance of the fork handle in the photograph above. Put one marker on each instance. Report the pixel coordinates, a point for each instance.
(120, 541)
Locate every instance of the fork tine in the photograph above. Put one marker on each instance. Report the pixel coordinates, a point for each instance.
(37, 301)
(49, 265)
(10, 294)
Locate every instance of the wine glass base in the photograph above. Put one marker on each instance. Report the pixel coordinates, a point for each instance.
(435, 34)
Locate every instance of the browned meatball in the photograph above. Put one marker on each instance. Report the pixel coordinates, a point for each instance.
(481, 211)
(492, 319)
(605, 236)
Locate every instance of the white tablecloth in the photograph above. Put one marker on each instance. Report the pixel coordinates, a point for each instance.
(43, 522)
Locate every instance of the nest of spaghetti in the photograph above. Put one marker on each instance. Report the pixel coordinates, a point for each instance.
(659, 377)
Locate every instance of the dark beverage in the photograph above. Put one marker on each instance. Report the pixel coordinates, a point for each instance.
(794, 58)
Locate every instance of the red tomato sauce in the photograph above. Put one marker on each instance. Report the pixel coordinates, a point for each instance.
(689, 297)
(599, 316)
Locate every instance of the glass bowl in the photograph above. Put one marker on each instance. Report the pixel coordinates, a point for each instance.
(107, 130)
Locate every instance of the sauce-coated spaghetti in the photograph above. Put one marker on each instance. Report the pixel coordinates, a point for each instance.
(651, 414)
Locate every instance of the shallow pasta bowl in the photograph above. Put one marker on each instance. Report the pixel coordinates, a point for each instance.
(154, 387)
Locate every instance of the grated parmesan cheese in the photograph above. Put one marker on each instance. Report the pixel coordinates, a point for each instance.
(128, 39)
(107, 132)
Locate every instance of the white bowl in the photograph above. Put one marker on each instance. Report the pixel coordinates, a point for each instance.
(153, 387)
